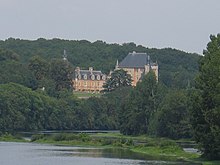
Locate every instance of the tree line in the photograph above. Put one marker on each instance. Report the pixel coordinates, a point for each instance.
(176, 67)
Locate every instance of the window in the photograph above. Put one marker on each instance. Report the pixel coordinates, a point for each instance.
(103, 77)
(93, 77)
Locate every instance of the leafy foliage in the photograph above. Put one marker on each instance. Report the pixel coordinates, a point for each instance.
(119, 78)
(23, 109)
(8, 55)
(39, 67)
(139, 107)
(206, 101)
(173, 116)
(61, 73)
(12, 70)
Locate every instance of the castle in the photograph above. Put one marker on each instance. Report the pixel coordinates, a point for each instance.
(136, 64)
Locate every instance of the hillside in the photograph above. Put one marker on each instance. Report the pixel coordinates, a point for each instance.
(176, 67)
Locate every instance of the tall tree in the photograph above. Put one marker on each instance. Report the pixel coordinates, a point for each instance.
(61, 74)
(39, 67)
(119, 78)
(12, 70)
(206, 101)
(8, 55)
(140, 107)
(172, 117)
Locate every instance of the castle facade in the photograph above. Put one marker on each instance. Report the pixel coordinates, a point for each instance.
(137, 65)
(88, 80)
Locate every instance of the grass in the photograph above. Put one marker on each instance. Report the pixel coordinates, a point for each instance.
(164, 149)
(211, 162)
(9, 138)
(172, 153)
(86, 94)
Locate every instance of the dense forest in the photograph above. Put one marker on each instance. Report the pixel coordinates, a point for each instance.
(176, 67)
(36, 91)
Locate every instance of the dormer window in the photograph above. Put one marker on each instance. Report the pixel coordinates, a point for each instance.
(93, 77)
(98, 77)
(85, 77)
(79, 76)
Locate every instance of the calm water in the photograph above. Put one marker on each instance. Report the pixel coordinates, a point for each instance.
(38, 154)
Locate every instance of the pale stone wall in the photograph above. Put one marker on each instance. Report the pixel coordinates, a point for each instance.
(135, 74)
(155, 70)
(88, 85)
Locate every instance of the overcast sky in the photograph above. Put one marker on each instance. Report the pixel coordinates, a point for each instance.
(180, 24)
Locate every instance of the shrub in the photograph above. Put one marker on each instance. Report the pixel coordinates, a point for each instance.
(37, 137)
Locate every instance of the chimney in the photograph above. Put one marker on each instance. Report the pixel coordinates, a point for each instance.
(90, 69)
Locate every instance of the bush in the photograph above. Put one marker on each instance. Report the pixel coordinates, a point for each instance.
(69, 137)
(129, 142)
(37, 137)
(58, 137)
(106, 142)
(84, 137)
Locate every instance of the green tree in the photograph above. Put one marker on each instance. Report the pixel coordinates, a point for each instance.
(119, 78)
(61, 73)
(8, 55)
(206, 101)
(139, 107)
(172, 117)
(26, 110)
(39, 67)
(13, 71)
(115, 100)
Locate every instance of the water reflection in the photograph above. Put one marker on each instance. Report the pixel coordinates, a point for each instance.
(99, 152)
(37, 154)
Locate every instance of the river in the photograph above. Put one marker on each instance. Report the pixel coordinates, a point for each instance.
(12, 153)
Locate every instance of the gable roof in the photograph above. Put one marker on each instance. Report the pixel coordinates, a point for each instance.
(134, 60)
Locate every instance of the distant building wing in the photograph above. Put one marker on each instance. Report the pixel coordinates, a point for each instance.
(88, 80)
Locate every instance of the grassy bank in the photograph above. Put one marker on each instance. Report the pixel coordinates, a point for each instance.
(163, 148)
(6, 137)
(86, 95)
(158, 147)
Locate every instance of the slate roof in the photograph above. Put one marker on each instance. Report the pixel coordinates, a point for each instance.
(81, 73)
(134, 60)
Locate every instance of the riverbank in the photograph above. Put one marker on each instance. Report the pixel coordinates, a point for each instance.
(9, 138)
(157, 148)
